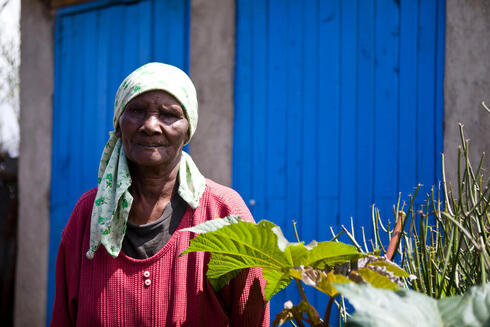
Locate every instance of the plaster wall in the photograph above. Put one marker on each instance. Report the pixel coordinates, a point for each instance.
(212, 70)
(467, 81)
(36, 89)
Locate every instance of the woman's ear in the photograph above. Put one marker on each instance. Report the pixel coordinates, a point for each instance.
(118, 131)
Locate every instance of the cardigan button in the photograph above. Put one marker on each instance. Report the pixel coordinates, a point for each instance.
(146, 274)
(147, 282)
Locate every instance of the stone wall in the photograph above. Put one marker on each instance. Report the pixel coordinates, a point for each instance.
(467, 80)
(36, 105)
(212, 70)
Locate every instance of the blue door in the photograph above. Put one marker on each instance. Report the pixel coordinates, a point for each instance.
(97, 45)
(338, 105)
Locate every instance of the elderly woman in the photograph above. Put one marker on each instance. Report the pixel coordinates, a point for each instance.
(148, 189)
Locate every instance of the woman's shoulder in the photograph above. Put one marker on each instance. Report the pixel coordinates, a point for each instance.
(222, 192)
(88, 197)
(81, 213)
(226, 201)
(86, 201)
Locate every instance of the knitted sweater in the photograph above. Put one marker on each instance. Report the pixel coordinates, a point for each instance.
(163, 290)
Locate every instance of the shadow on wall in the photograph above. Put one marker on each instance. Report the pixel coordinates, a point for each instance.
(8, 236)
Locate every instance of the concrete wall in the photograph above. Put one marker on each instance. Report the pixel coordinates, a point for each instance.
(36, 90)
(212, 68)
(467, 80)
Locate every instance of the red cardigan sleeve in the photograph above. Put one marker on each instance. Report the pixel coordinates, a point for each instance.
(245, 292)
(68, 263)
(62, 311)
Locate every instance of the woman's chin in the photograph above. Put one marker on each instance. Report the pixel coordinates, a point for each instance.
(152, 159)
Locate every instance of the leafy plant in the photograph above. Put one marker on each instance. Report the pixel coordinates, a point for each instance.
(443, 248)
(235, 245)
(406, 308)
(445, 245)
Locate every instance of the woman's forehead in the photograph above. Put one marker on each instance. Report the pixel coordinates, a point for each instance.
(156, 96)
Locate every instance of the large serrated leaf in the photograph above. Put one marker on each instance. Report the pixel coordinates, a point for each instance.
(327, 285)
(316, 254)
(220, 282)
(297, 254)
(276, 281)
(242, 245)
(406, 308)
(397, 271)
(329, 253)
(381, 308)
(213, 225)
(235, 245)
(377, 280)
(319, 280)
(470, 309)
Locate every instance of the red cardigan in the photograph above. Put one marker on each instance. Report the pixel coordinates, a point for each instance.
(164, 290)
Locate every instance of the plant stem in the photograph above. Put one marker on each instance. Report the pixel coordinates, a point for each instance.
(353, 240)
(326, 319)
(335, 237)
(295, 231)
(305, 299)
(298, 320)
(301, 290)
(485, 106)
(396, 236)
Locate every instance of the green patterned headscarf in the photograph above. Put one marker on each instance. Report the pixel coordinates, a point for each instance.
(113, 200)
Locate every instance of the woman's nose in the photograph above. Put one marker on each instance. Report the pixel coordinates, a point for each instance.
(151, 125)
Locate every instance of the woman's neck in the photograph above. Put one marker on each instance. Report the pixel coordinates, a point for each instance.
(152, 183)
(152, 189)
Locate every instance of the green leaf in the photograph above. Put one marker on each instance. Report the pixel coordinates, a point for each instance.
(406, 308)
(316, 254)
(238, 245)
(397, 271)
(326, 285)
(220, 282)
(376, 279)
(282, 242)
(235, 245)
(320, 280)
(470, 309)
(327, 253)
(276, 281)
(297, 254)
(381, 308)
(213, 225)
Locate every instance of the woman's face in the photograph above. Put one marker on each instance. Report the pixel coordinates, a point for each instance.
(153, 129)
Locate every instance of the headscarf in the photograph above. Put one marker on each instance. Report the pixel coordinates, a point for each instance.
(113, 200)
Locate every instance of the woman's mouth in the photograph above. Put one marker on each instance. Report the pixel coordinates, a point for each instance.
(150, 145)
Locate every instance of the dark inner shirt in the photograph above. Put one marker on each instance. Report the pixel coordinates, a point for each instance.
(144, 241)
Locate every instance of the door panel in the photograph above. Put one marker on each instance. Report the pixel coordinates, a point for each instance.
(97, 45)
(338, 105)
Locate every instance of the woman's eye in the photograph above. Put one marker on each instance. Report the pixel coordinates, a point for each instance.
(135, 110)
(169, 114)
